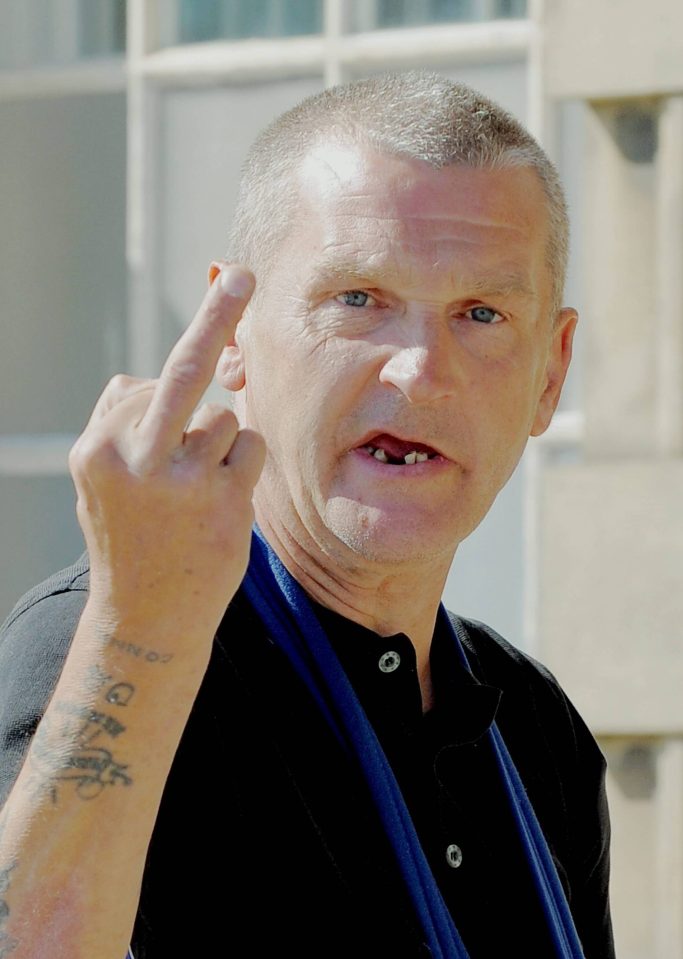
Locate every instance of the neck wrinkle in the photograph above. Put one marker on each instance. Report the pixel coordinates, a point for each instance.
(392, 603)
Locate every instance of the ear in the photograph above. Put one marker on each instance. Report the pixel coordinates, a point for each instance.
(230, 366)
(559, 357)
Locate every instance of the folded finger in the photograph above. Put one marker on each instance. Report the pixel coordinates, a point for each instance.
(119, 388)
(211, 433)
(247, 455)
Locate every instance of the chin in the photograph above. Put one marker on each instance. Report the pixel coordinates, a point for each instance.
(376, 537)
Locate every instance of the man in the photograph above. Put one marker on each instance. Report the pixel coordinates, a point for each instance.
(312, 759)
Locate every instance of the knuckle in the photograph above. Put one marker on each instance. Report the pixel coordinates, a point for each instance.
(183, 372)
(141, 465)
(87, 453)
(73, 459)
(119, 385)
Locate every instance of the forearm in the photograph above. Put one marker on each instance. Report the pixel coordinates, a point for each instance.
(75, 829)
(164, 500)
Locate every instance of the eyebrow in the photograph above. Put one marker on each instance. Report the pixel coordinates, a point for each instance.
(500, 283)
(331, 271)
(490, 282)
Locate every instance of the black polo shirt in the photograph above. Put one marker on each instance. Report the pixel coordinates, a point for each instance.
(437, 758)
(265, 842)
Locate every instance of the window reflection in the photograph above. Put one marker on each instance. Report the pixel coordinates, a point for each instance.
(44, 33)
(386, 14)
(201, 20)
(102, 27)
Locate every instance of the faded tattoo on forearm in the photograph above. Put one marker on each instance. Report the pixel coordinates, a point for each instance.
(120, 694)
(94, 722)
(68, 747)
(141, 652)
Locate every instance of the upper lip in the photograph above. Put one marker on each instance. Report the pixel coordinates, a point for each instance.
(403, 437)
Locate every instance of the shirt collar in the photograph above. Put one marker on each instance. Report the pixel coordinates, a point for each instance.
(464, 707)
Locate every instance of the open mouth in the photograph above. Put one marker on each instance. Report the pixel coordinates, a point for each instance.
(395, 452)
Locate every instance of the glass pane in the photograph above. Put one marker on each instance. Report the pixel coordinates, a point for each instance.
(511, 8)
(39, 532)
(486, 580)
(199, 20)
(205, 137)
(40, 33)
(398, 13)
(386, 14)
(62, 258)
(102, 27)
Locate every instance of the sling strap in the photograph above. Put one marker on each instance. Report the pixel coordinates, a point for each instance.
(288, 616)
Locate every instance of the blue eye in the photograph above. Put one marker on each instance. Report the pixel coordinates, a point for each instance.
(484, 314)
(354, 298)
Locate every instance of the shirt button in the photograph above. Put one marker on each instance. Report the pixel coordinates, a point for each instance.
(389, 661)
(453, 855)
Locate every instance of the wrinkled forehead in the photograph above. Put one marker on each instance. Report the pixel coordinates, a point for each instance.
(360, 180)
(350, 194)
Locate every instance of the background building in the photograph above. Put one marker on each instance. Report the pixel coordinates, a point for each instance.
(122, 129)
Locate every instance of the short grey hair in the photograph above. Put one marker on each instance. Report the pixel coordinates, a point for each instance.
(417, 114)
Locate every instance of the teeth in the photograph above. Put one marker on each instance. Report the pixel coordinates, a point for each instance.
(415, 457)
(409, 459)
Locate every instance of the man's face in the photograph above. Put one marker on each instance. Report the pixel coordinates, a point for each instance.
(400, 354)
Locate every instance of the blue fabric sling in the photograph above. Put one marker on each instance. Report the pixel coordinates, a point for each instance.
(290, 620)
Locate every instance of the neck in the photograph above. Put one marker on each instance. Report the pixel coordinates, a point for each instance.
(402, 599)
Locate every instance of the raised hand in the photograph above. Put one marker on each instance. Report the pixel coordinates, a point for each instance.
(164, 499)
(164, 493)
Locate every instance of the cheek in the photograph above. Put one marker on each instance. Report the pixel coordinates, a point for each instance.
(292, 403)
(502, 409)
(520, 377)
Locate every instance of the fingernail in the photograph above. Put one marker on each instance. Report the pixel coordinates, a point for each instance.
(236, 281)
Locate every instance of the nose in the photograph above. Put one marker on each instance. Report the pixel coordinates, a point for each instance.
(423, 369)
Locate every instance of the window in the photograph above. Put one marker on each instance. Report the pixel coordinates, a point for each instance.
(383, 14)
(195, 21)
(44, 33)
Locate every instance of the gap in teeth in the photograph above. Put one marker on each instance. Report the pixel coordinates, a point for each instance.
(409, 459)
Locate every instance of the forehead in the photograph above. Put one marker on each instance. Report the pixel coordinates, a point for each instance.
(356, 201)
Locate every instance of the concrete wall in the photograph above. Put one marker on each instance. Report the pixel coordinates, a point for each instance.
(599, 49)
(611, 525)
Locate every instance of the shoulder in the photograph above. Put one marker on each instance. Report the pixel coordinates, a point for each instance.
(491, 656)
(71, 579)
(496, 661)
(35, 637)
(534, 706)
(34, 641)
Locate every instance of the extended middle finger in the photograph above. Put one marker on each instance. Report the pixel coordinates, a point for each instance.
(190, 366)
